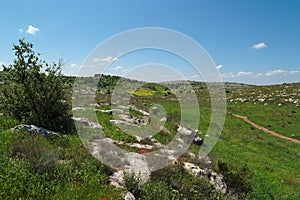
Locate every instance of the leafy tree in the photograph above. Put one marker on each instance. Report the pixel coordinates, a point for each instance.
(33, 91)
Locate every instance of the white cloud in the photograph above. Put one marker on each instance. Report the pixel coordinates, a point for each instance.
(259, 46)
(32, 30)
(194, 76)
(275, 72)
(293, 72)
(239, 74)
(20, 30)
(219, 67)
(244, 74)
(228, 75)
(107, 59)
(73, 65)
(260, 74)
(118, 68)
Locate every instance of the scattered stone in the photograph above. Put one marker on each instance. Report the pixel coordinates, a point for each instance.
(133, 120)
(87, 122)
(121, 122)
(78, 108)
(35, 129)
(140, 146)
(214, 179)
(193, 169)
(184, 131)
(116, 179)
(109, 112)
(198, 141)
(129, 196)
(192, 155)
(217, 181)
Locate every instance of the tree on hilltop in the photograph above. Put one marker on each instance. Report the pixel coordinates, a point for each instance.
(32, 91)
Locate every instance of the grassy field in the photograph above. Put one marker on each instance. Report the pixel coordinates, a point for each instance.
(284, 120)
(36, 167)
(274, 162)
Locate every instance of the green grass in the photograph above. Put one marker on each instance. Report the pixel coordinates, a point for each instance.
(172, 182)
(34, 167)
(135, 113)
(7, 123)
(284, 120)
(112, 131)
(274, 162)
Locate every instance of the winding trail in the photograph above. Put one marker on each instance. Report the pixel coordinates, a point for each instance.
(267, 130)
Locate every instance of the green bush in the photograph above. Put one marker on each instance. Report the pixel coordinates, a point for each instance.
(36, 150)
(34, 167)
(238, 180)
(172, 182)
(7, 123)
(133, 183)
(158, 190)
(33, 91)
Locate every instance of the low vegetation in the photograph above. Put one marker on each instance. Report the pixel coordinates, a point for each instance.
(254, 164)
(32, 91)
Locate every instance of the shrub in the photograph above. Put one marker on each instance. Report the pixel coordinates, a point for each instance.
(184, 185)
(36, 150)
(34, 167)
(238, 180)
(33, 91)
(133, 183)
(158, 190)
(7, 122)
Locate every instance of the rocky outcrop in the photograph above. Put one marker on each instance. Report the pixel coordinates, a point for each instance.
(129, 196)
(85, 121)
(35, 129)
(214, 179)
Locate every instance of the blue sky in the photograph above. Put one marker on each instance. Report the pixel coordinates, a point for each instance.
(250, 41)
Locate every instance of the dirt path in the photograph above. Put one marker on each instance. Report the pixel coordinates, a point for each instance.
(267, 130)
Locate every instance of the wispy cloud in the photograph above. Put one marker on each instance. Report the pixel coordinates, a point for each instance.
(245, 74)
(228, 75)
(293, 72)
(194, 76)
(252, 74)
(219, 67)
(73, 65)
(106, 60)
(276, 72)
(31, 30)
(260, 45)
(117, 68)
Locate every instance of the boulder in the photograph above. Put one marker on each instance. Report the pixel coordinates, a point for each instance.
(129, 196)
(193, 169)
(35, 129)
(85, 121)
(184, 131)
(109, 112)
(198, 141)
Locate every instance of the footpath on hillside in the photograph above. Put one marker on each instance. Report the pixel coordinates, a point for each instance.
(267, 130)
